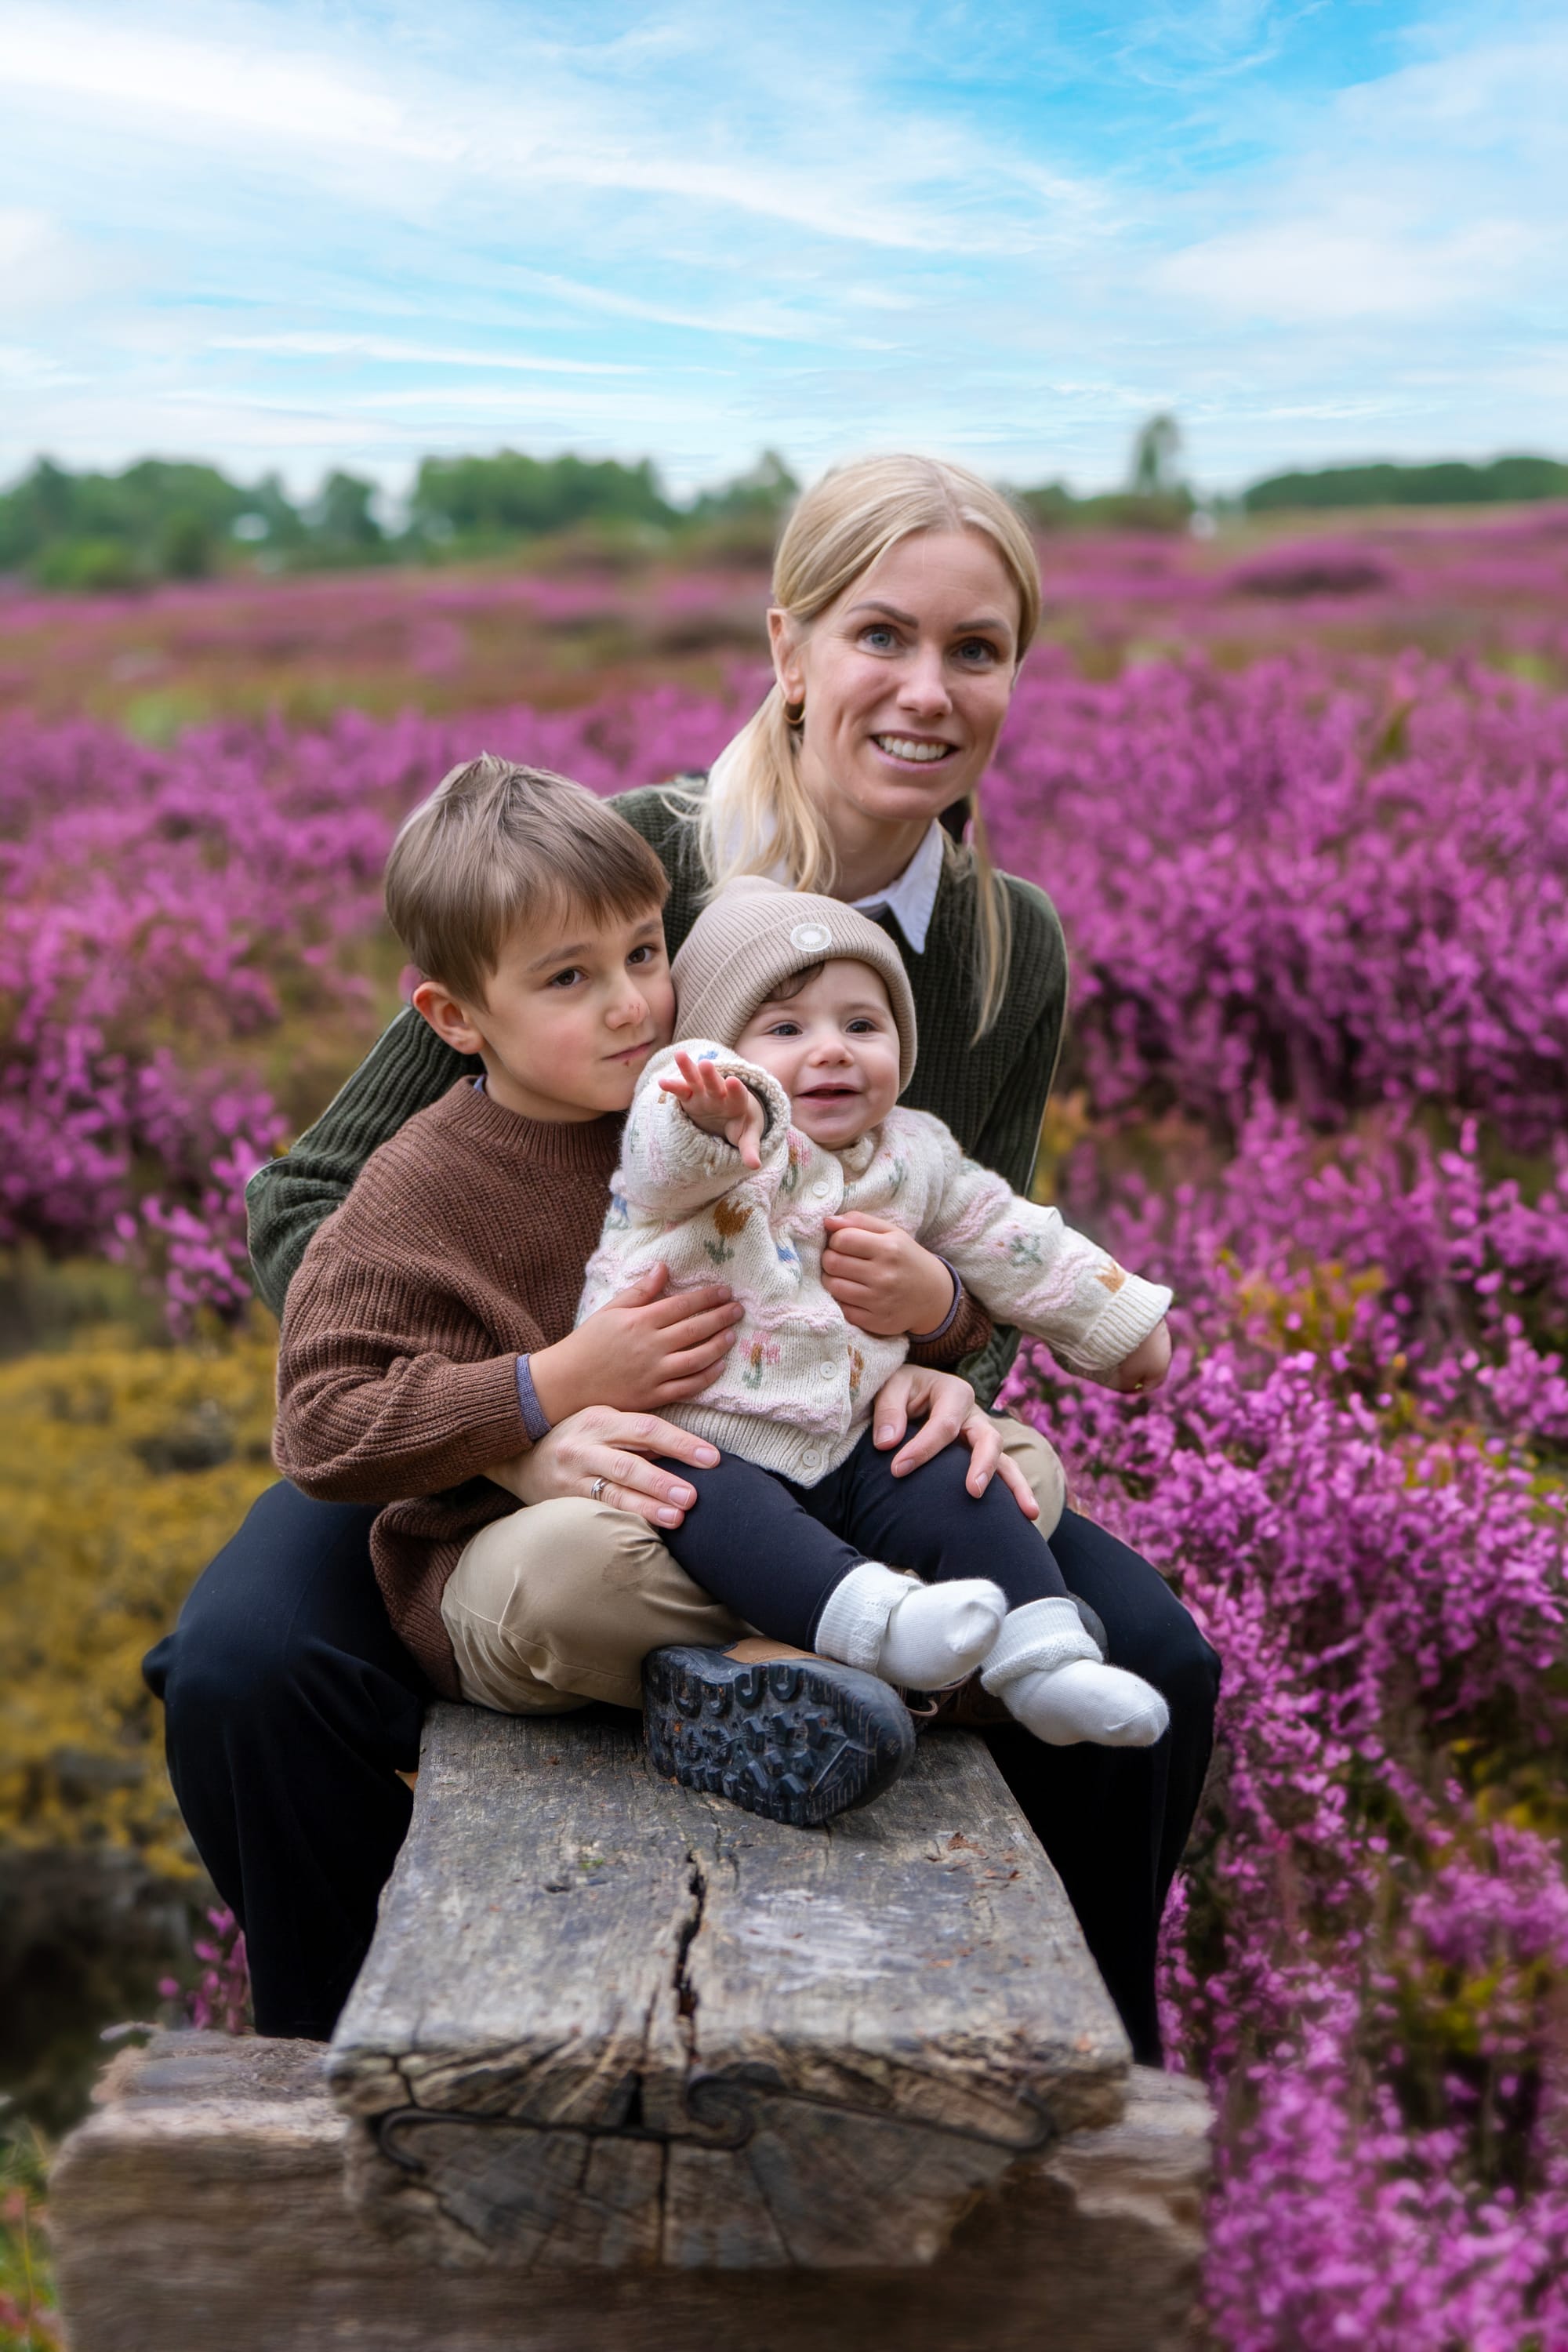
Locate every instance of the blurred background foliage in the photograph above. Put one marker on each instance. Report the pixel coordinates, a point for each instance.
(165, 520)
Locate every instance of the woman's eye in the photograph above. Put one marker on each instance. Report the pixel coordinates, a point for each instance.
(975, 651)
(879, 639)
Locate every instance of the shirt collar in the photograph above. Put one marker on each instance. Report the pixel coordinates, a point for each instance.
(910, 897)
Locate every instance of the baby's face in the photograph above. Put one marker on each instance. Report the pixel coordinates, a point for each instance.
(834, 1049)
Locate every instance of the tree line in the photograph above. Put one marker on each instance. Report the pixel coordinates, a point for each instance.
(164, 520)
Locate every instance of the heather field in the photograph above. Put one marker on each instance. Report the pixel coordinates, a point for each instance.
(1302, 801)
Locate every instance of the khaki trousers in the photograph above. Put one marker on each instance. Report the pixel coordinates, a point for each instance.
(559, 1603)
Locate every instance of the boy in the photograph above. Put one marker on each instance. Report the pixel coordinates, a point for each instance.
(430, 1337)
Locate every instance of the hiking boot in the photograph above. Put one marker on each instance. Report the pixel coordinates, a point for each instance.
(790, 1736)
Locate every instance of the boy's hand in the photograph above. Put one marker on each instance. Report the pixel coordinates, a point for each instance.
(1146, 1367)
(648, 1347)
(885, 1282)
(719, 1104)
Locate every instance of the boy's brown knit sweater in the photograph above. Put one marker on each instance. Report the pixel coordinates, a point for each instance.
(460, 1247)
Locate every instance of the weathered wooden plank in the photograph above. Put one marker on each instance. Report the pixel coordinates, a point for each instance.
(201, 2207)
(608, 2021)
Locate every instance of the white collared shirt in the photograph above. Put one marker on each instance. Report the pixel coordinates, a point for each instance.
(910, 897)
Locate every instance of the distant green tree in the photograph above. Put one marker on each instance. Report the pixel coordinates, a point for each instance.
(765, 489)
(509, 495)
(1450, 482)
(1152, 471)
(340, 516)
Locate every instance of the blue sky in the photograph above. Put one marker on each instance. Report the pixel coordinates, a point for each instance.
(303, 233)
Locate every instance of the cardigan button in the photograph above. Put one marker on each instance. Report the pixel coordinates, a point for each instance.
(820, 1189)
(828, 1371)
(809, 1461)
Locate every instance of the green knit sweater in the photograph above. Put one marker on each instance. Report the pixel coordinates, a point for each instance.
(992, 1093)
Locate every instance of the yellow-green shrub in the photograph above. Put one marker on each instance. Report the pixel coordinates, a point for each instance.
(124, 1468)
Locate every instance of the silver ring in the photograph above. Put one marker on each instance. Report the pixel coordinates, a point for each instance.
(597, 1490)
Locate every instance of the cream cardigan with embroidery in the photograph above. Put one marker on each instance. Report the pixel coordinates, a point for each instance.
(795, 1394)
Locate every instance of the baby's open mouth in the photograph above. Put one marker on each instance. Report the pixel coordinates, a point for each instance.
(920, 750)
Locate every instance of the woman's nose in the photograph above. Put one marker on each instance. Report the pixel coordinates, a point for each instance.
(923, 686)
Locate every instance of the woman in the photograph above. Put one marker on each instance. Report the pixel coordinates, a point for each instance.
(905, 592)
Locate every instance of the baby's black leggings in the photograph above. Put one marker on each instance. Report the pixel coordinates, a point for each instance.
(773, 1551)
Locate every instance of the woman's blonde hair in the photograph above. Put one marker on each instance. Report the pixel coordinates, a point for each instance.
(843, 525)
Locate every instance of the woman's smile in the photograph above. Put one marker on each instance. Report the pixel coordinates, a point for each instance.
(913, 750)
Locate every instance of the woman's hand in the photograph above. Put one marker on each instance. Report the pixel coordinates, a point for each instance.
(718, 1103)
(647, 1347)
(951, 1411)
(885, 1282)
(600, 1443)
(1146, 1367)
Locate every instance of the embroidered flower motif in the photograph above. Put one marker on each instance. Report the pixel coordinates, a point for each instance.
(857, 1372)
(1024, 1249)
(731, 1219)
(755, 1361)
(1112, 1277)
(619, 1217)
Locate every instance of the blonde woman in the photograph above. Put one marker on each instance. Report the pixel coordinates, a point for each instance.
(905, 596)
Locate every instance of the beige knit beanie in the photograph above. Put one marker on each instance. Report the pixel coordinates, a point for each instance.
(755, 934)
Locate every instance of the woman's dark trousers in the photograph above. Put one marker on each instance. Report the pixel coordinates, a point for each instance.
(291, 1708)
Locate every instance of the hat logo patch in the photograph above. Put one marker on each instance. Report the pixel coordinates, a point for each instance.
(811, 937)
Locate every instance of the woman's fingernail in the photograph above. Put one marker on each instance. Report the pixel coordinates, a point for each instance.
(884, 1437)
(669, 1518)
(707, 1456)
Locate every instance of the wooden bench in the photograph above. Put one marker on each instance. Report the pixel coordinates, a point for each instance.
(625, 2064)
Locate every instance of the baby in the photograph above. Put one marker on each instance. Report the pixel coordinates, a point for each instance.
(778, 1114)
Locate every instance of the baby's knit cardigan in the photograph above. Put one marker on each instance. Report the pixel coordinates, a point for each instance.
(795, 1394)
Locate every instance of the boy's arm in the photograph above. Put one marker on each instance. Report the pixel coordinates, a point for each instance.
(1027, 1265)
(670, 1167)
(368, 1409)
(405, 1070)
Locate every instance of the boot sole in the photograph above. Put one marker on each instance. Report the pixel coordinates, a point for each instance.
(799, 1741)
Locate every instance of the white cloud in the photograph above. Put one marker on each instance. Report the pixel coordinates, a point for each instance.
(312, 345)
(1349, 267)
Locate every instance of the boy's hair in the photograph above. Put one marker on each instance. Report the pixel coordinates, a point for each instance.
(496, 844)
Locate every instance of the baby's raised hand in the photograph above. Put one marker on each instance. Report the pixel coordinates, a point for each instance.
(718, 1103)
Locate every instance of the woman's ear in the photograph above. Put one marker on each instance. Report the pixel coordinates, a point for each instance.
(447, 1016)
(785, 643)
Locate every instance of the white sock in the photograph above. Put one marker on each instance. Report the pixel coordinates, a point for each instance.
(1048, 1671)
(921, 1636)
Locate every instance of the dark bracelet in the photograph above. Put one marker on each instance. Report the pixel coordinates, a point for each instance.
(924, 1339)
(534, 1418)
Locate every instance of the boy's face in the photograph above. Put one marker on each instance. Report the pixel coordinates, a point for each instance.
(834, 1049)
(571, 1013)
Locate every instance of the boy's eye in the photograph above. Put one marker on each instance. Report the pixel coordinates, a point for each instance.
(644, 954)
(564, 979)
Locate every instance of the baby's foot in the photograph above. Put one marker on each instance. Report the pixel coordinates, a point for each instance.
(1048, 1671)
(921, 1636)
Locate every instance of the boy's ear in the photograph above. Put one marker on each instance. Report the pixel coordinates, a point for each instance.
(447, 1016)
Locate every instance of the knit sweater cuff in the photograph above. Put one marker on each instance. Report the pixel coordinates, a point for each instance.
(1138, 1309)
